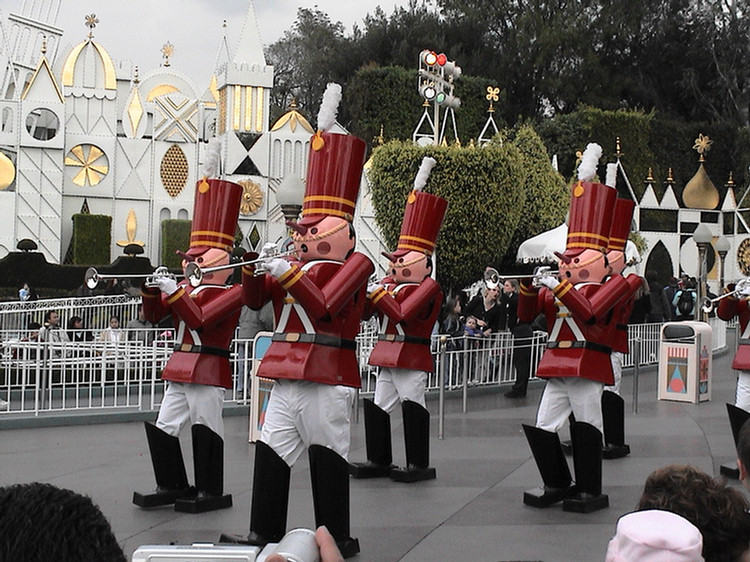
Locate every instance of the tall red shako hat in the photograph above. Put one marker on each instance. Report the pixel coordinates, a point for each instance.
(334, 168)
(423, 217)
(215, 209)
(591, 209)
(621, 217)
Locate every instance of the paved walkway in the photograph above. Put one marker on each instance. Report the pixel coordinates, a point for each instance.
(473, 511)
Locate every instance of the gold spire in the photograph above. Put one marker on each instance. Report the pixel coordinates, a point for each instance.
(730, 182)
(700, 192)
(91, 21)
(492, 96)
(167, 51)
(649, 176)
(670, 177)
(618, 149)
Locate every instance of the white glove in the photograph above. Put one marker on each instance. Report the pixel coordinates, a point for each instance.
(167, 285)
(373, 286)
(549, 281)
(269, 249)
(277, 266)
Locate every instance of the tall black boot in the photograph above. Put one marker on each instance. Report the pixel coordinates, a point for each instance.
(329, 474)
(377, 442)
(553, 468)
(613, 414)
(587, 462)
(567, 445)
(169, 469)
(417, 442)
(737, 417)
(270, 499)
(208, 462)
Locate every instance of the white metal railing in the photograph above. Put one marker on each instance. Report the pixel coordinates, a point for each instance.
(39, 377)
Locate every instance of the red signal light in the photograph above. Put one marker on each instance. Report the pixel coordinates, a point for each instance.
(441, 59)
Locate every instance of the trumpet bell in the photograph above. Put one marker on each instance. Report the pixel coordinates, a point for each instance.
(707, 305)
(91, 278)
(491, 278)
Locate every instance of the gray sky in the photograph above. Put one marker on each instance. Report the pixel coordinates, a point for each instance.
(136, 29)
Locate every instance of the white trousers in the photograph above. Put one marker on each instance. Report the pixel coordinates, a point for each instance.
(303, 413)
(198, 403)
(396, 385)
(616, 359)
(582, 397)
(742, 395)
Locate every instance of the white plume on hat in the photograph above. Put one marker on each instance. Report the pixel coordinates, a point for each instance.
(329, 107)
(589, 161)
(211, 159)
(611, 180)
(424, 172)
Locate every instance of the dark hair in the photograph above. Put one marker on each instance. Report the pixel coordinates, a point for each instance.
(34, 325)
(72, 321)
(48, 314)
(40, 522)
(719, 511)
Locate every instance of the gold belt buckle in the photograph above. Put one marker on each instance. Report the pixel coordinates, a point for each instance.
(186, 347)
(390, 337)
(291, 338)
(565, 344)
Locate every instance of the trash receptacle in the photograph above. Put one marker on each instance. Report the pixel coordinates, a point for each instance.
(685, 362)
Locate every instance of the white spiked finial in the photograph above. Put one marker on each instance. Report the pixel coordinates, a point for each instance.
(611, 180)
(589, 161)
(424, 172)
(329, 107)
(212, 159)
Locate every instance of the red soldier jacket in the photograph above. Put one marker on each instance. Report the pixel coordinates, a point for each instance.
(621, 315)
(407, 313)
(579, 340)
(318, 307)
(730, 307)
(205, 318)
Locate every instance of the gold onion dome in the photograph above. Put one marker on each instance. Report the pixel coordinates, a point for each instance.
(700, 192)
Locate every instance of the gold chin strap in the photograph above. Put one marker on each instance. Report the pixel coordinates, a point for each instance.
(320, 236)
(212, 262)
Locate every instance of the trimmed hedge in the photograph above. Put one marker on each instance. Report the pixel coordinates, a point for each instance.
(92, 238)
(175, 235)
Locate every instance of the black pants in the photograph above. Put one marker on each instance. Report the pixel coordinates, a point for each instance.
(522, 334)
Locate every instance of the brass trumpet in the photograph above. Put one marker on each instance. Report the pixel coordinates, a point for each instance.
(492, 278)
(742, 288)
(194, 273)
(92, 277)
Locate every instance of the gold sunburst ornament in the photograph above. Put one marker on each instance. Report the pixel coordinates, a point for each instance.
(252, 197)
(702, 145)
(91, 160)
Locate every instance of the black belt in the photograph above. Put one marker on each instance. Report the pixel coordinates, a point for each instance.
(622, 327)
(404, 338)
(207, 349)
(744, 341)
(584, 344)
(319, 339)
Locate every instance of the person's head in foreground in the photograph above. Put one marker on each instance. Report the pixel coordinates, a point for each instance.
(655, 536)
(43, 523)
(720, 512)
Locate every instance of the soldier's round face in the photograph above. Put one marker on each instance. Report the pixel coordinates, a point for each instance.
(616, 260)
(586, 267)
(212, 257)
(411, 267)
(328, 239)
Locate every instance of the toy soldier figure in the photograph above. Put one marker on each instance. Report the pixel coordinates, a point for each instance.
(613, 406)
(198, 371)
(737, 305)
(318, 299)
(577, 362)
(407, 302)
